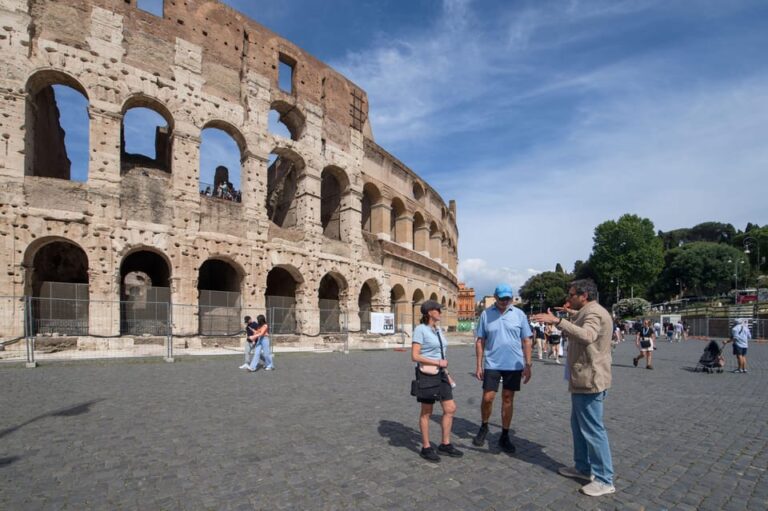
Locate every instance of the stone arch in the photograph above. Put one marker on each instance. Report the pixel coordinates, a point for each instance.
(420, 233)
(284, 283)
(334, 186)
(163, 136)
(57, 280)
(219, 286)
(399, 305)
(418, 191)
(369, 292)
(47, 148)
(435, 241)
(221, 172)
(290, 117)
(433, 297)
(417, 298)
(145, 292)
(285, 168)
(331, 294)
(370, 220)
(397, 226)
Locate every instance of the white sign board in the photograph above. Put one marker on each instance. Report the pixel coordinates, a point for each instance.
(382, 323)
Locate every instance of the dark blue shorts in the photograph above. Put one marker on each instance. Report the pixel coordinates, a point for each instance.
(492, 378)
(739, 351)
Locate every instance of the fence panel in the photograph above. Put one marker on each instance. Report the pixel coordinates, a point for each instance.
(12, 340)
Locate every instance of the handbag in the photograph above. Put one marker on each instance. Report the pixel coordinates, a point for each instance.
(645, 343)
(427, 383)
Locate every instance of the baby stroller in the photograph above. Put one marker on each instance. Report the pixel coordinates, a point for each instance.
(712, 359)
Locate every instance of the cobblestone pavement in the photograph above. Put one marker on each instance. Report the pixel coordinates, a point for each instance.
(333, 431)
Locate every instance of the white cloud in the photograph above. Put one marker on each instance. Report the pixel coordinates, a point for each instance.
(478, 274)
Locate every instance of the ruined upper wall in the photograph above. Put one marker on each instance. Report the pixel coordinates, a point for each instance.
(232, 47)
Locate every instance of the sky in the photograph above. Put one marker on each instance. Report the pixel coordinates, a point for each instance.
(543, 119)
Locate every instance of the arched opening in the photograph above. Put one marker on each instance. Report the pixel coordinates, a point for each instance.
(146, 136)
(433, 297)
(418, 191)
(398, 304)
(365, 303)
(285, 166)
(420, 233)
(59, 285)
(219, 300)
(280, 300)
(285, 120)
(371, 197)
(416, 301)
(57, 135)
(145, 294)
(435, 241)
(220, 165)
(333, 185)
(398, 210)
(329, 295)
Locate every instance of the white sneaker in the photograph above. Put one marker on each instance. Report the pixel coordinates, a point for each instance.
(244, 366)
(269, 368)
(573, 473)
(597, 488)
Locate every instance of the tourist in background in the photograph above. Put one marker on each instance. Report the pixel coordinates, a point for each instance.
(645, 341)
(261, 336)
(740, 336)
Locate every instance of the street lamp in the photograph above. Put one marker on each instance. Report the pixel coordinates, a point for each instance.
(617, 288)
(736, 277)
(750, 242)
(680, 285)
(540, 296)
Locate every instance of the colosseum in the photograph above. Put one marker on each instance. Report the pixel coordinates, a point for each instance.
(318, 227)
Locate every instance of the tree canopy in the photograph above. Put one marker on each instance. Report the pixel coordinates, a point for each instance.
(547, 289)
(627, 252)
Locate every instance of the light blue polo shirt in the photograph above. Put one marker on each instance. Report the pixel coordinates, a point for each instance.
(741, 335)
(503, 334)
(430, 343)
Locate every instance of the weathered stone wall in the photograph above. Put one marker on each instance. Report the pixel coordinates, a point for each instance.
(201, 65)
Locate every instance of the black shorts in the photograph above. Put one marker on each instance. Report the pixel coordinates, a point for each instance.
(446, 391)
(492, 377)
(554, 339)
(739, 351)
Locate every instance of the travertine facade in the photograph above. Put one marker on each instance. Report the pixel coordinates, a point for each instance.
(333, 205)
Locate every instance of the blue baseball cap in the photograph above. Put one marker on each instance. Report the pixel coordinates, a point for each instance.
(503, 291)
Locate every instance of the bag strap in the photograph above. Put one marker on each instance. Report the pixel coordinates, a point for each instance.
(440, 340)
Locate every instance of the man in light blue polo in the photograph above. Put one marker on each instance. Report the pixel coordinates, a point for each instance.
(503, 350)
(740, 335)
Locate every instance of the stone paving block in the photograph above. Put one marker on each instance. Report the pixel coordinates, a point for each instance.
(201, 435)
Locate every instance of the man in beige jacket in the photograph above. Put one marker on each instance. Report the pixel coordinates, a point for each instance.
(588, 371)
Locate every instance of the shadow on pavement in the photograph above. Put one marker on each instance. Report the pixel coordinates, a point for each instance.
(4, 462)
(70, 411)
(400, 435)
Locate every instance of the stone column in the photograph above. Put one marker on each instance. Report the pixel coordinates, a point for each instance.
(421, 239)
(308, 202)
(404, 230)
(403, 314)
(350, 218)
(380, 220)
(435, 244)
(254, 189)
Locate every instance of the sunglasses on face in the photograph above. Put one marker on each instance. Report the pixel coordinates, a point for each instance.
(504, 299)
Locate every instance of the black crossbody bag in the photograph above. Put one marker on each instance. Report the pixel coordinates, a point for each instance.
(427, 386)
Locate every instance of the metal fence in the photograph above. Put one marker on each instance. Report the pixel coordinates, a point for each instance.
(719, 327)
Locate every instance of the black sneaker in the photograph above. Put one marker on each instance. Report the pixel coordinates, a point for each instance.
(449, 450)
(635, 361)
(506, 445)
(479, 439)
(429, 454)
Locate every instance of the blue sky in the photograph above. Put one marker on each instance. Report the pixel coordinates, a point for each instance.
(545, 118)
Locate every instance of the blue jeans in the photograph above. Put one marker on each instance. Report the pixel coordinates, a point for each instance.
(591, 451)
(250, 347)
(262, 345)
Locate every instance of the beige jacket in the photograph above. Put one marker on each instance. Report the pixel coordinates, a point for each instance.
(589, 334)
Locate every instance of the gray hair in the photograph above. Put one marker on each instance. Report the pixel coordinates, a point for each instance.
(587, 286)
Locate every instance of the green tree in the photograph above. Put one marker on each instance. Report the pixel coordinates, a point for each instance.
(716, 232)
(627, 252)
(547, 289)
(559, 268)
(703, 268)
